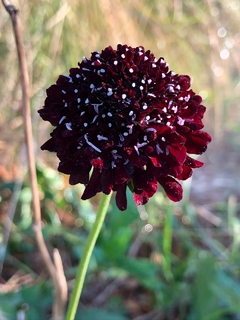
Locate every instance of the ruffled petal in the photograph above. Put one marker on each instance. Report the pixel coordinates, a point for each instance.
(172, 188)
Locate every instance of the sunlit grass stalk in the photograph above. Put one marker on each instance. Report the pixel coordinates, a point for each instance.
(87, 253)
(167, 243)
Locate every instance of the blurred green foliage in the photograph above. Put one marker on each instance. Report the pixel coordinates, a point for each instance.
(159, 260)
(201, 279)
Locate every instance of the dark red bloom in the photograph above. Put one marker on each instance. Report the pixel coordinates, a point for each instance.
(124, 114)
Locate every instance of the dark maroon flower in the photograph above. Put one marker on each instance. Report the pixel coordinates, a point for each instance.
(124, 114)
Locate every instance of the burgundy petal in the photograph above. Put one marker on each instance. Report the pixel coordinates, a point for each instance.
(93, 186)
(121, 198)
(185, 174)
(197, 143)
(172, 188)
(142, 196)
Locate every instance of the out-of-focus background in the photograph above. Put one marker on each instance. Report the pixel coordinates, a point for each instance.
(162, 261)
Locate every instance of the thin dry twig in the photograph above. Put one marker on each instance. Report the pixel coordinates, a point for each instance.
(55, 268)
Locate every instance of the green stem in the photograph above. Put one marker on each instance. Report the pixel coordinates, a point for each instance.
(88, 249)
(167, 243)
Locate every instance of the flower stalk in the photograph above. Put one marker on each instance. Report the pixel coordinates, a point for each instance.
(87, 253)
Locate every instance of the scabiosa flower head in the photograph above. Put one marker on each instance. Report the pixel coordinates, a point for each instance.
(124, 114)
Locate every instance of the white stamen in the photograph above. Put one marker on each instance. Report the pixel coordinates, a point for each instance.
(91, 144)
(149, 81)
(141, 88)
(103, 115)
(63, 91)
(92, 86)
(180, 121)
(130, 128)
(125, 134)
(102, 70)
(163, 139)
(151, 129)
(76, 90)
(101, 137)
(164, 109)
(62, 119)
(65, 104)
(121, 137)
(131, 113)
(163, 75)
(145, 138)
(178, 87)
(82, 113)
(87, 101)
(151, 94)
(136, 148)
(145, 58)
(69, 126)
(85, 124)
(154, 65)
(148, 118)
(143, 81)
(167, 151)
(115, 62)
(126, 162)
(133, 84)
(110, 92)
(96, 107)
(168, 124)
(85, 69)
(94, 119)
(158, 149)
(110, 125)
(124, 96)
(109, 114)
(145, 106)
(78, 75)
(123, 55)
(140, 53)
(131, 70)
(140, 145)
(78, 100)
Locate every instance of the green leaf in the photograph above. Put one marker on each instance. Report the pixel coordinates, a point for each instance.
(205, 302)
(142, 269)
(228, 291)
(98, 314)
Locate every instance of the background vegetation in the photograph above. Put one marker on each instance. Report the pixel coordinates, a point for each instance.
(162, 261)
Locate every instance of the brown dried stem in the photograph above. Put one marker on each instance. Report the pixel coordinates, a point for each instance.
(55, 267)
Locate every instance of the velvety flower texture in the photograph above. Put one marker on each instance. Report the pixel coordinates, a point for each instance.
(124, 114)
